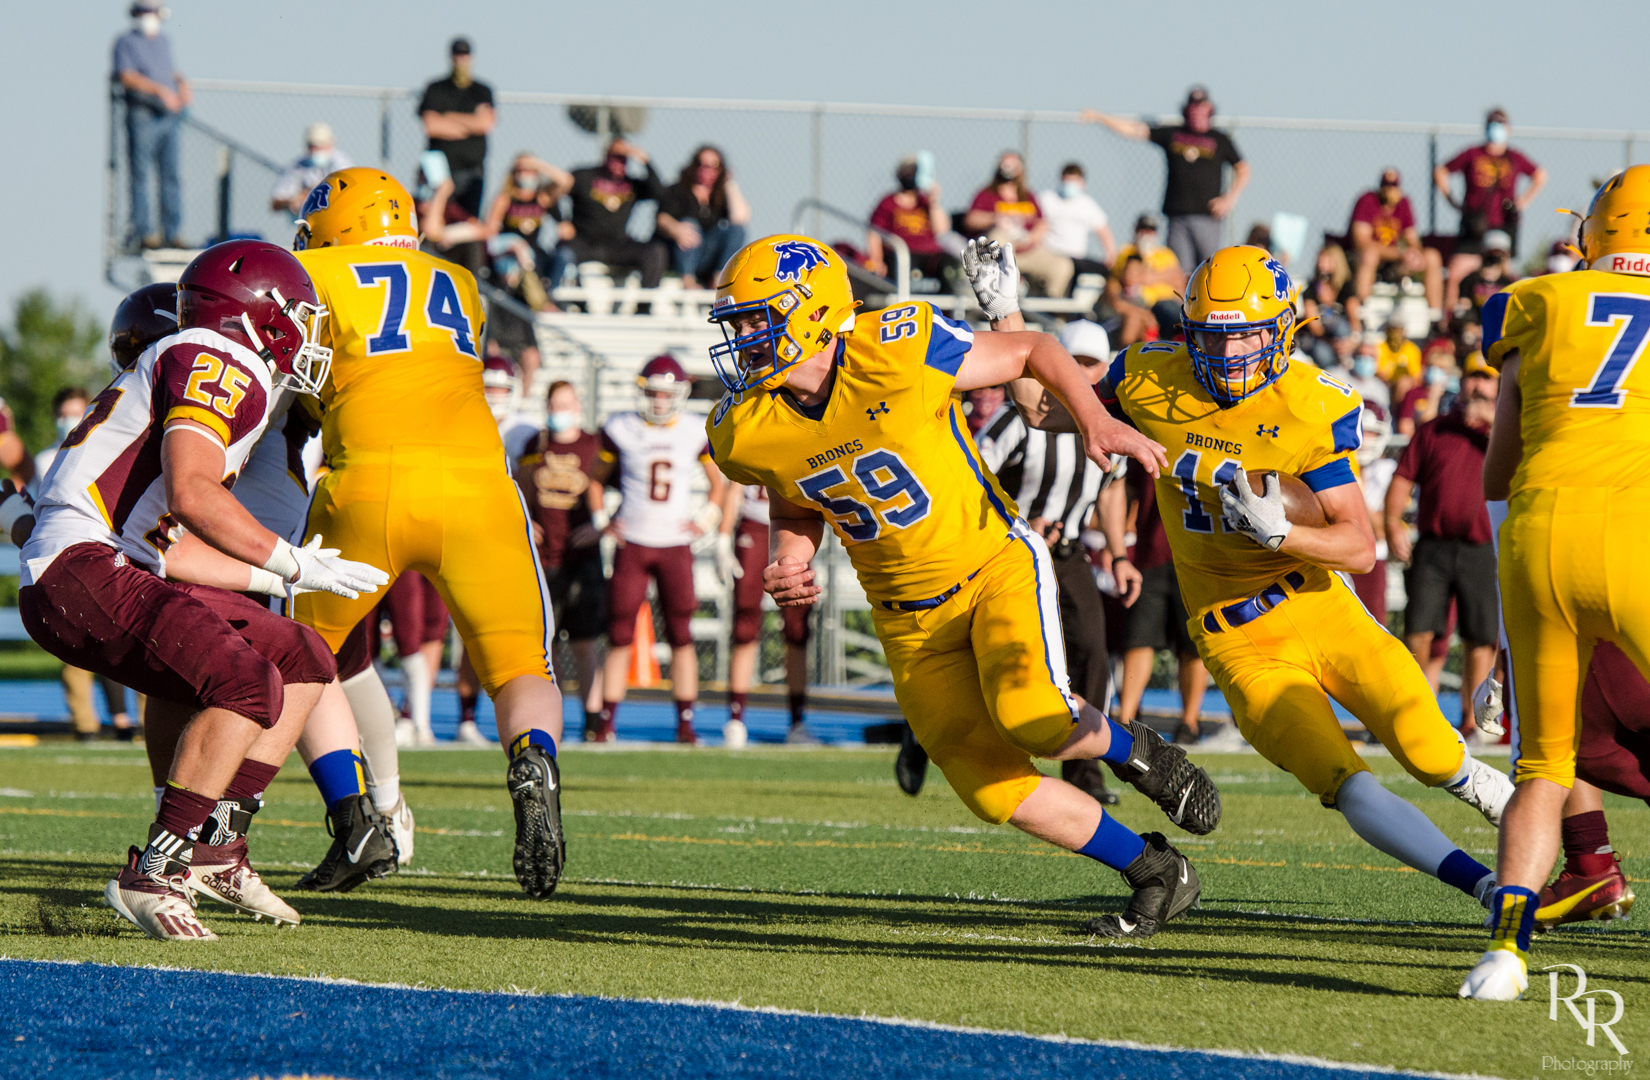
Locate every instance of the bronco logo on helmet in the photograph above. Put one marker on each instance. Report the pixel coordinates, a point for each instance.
(317, 200)
(796, 258)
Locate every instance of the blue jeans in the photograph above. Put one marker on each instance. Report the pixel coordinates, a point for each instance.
(715, 248)
(152, 140)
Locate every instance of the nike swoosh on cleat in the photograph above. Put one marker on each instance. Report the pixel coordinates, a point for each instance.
(1183, 871)
(1126, 925)
(355, 856)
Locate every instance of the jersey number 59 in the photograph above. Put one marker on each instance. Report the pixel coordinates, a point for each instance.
(884, 477)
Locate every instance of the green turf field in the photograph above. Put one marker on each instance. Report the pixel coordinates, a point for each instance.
(806, 880)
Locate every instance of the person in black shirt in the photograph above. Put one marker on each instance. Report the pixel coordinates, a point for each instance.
(457, 113)
(702, 216)
(603, 197)
(1192, 197)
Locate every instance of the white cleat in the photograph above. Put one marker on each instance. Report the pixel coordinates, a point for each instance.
(224, 874)
(406, 734)
(734, 735)
(470, 735)
(163, 908)
(1485, 789)
(1500, 975)
(799, 735)
(401, 831)
(423, 737)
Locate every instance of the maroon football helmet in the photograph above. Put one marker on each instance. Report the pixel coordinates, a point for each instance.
(501, 382)
(142, 319)
(259, 295)
(665, 385)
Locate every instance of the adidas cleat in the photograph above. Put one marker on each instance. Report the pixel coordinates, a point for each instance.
(224, 874)
(911, 765)
(1573, 898)
(1165, 885)
(1499, 975)
(401, 831)
(362, 848)
(1161, 772)
(541, 848)
(158, 904)
(1486, 789)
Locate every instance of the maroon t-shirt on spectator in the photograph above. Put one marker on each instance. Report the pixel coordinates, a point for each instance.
(913, 225)
(554, 477)
(1491, 178)
(1151, 543)
(1445, 460)
(1411, 402)
(1389, 223)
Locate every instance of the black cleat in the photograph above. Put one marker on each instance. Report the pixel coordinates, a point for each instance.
(911, 766)
(541, 846)
(362, 848)
(1165, 884)
(1161, 772)
(1087, 776)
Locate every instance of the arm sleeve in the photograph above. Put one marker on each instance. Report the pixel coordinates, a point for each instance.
(122, 56)
(1458, 163)
(1162, 136)
(1228, 150)
(1522, 166)
(484, 92)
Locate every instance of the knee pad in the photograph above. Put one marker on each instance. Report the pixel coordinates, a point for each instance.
(253, 690)
(679, 630)
(747, 625)
(796, 626)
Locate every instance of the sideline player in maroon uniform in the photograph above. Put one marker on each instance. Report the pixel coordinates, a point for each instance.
(653, 453)
(418, 626)
(566, 506)
(147, 462)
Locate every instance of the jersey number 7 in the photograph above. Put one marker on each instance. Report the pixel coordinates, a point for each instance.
(442, 308)
(1632, 313)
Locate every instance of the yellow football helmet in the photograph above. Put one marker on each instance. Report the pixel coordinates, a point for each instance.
(357, 206)
(1238, 290)
(801, 287)
(1615, 235)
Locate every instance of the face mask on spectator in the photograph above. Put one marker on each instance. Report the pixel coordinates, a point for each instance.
(1146, 242)
(1437, 376)
(1364, 367)
(66, 424)
(320, 157)
(148, 24)
(1070, 189)
(1495, 133)
(1007, 169)
(563, 421)
(907, 179)
(527, 179)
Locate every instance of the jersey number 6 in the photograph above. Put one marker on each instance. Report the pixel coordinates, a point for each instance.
(442, 308)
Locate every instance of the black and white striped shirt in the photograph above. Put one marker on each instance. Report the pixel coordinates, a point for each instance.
(1048, 475)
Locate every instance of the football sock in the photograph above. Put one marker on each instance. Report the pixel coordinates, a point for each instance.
(1113, 843)
(1513, 910)
(1390, 824)
(532, 737)
(684, 712)
(736, 705)
(1464, 872)
(420, 686)
(182, 811)
(375, 720)
(338, 775)
(1587, 850)
(251, 780)
(610, 715)
(467, 706)
(799, 708)
(1122, 743)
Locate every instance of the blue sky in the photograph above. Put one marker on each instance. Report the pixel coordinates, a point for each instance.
(1396, 60)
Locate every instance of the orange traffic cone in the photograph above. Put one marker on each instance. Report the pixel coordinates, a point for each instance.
(644, 666)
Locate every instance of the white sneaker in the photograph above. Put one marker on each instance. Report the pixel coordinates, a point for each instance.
(162, 908)
(406, 733)
(1225, 739)
(1500, 975)
(224, 874)
(799, 735)
(471, 735)
(734, 735)
(1485, 789)
(423, 737)
(401, 830)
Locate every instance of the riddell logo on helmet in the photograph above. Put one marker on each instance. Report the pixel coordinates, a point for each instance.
(408, 242)
(1624, 263)
(1224, 317)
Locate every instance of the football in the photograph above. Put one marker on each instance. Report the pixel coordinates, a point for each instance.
(1300, 502)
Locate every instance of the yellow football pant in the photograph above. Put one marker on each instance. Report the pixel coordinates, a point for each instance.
(982, 677)
(1572, 573)
(455, 516)
(1279, 671)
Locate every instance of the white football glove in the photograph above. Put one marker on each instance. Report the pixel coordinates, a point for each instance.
(995, 276)
(1259, 517)
(313, 568)
(727, 560)
(1488, 707)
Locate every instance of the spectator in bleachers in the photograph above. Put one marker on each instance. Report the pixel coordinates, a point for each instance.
(1491, 199)
(603, 197)
(1196, 153)
(156, 95)
(525, 222)
(1454, 557)
(457, 114)
(1398, 359)
(917, 217)
(1073, 216)
(1006, 211)
(1162, 276)
(1561, 257)
(1493, 274)
(1383, 234)
(1375, 471)
(1365, 373)
(321, 157)
(702, 217)
(1427, 398)
(1323, 306)
(1260, 235)
(1130, 320)
(449, 229)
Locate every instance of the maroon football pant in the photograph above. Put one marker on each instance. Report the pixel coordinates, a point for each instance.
(672, 569)
(1615, 725)
(751, 543)
(416, 614)
(175, 641)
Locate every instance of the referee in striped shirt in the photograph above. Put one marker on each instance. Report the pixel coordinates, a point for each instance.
(1056, 485)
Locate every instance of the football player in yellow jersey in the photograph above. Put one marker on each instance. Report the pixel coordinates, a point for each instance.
(1279, 629)
(1571, 448)
(854, 421)
(419, 477)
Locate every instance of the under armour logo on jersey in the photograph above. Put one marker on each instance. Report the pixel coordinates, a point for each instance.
(796, 258)
(882, 407)
(1264, 430)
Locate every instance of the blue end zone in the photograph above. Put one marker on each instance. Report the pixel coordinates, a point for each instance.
(111, 1023)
